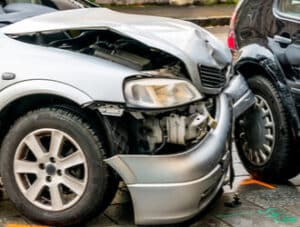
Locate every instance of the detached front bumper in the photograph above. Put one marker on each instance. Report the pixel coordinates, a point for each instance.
(173, 188)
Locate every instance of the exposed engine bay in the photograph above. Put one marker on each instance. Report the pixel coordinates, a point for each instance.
(108, 45)
(152, 133)
(183, 129)
(167, 132)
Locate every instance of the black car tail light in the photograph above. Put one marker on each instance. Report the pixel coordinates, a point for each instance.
(231, 35)
(231, 40)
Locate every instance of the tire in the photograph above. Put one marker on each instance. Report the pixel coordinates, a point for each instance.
(263, 137)
(79, 191)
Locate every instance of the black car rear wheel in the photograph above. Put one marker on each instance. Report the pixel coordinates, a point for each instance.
(262, 135)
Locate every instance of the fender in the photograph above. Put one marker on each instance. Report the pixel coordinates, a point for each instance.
(32, 87)
(99, 78)
(263, 58)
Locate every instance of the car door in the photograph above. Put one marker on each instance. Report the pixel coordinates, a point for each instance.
(285, 42)
(286, 35)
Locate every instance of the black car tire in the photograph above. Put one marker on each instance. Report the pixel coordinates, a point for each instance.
(101, 184)
(281, 163)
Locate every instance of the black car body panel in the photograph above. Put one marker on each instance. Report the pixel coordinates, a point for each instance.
(269, 41)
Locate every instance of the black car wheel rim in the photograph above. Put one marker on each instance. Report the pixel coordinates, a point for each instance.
(257, 133)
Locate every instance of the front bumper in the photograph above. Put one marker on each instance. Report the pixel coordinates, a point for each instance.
(172, 188)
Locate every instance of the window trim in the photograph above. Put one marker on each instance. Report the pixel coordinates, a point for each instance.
(284, 16)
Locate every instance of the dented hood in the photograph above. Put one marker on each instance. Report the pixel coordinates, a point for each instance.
(188, 42)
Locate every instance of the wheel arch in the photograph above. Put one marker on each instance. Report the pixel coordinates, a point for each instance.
(252, 68)
(23, 97)
(42, 87)
(22, 105)
(257, 58)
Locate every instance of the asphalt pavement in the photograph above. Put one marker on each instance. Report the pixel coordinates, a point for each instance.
(259, 204)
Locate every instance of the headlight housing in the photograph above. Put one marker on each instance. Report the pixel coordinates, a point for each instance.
(159, 92)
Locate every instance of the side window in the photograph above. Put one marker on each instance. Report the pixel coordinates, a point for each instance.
(289, 8)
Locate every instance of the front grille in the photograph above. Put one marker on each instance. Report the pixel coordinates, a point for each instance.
(212, 77)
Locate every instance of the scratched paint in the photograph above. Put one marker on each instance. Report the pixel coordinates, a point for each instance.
(275, 214)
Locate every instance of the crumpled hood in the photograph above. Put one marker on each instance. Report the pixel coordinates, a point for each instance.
(188, 42)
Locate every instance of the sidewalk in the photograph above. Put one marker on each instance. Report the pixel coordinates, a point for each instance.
(201, 15)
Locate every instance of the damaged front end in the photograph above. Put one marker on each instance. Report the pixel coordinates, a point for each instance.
(181, 156)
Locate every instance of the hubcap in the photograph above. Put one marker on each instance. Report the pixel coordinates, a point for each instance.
(50, 169)
(257, 133)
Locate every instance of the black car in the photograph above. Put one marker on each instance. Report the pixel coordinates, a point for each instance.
(265, 36)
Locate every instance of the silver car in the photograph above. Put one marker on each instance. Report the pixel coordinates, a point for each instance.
(89, 97)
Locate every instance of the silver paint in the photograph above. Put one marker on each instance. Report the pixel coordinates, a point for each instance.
(152, 178)
(185, 40)
(183, 167)
(92, 77)
(86, 79)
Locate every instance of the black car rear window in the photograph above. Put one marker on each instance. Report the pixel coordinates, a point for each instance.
(289, 8)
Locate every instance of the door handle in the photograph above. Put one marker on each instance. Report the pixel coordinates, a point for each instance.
(282, 40)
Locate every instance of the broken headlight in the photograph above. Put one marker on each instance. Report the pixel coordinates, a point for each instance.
(160, 93)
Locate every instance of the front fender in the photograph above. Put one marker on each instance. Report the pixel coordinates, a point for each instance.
(255, 57)
(34, 87)
(99, 78)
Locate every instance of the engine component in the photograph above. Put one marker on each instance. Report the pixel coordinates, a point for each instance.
(123, 57)
(154, 133)
(181, 129)
(178, 128)
(111, 46)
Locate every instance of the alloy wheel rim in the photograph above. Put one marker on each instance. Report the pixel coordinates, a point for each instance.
(257, 133)
(50, 169)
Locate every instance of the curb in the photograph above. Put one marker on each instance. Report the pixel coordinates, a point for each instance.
(210, 21)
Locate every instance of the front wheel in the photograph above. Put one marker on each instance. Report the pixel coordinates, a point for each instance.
(53, 169)
(263, 137)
